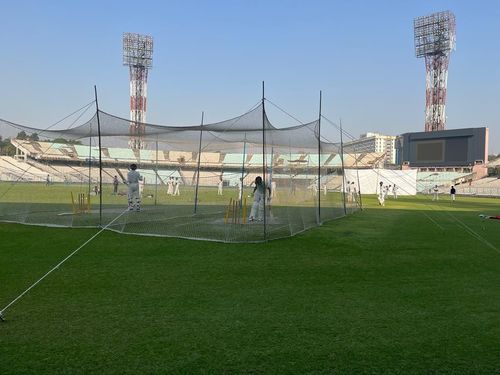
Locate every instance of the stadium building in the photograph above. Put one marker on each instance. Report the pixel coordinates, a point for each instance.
(374, 142)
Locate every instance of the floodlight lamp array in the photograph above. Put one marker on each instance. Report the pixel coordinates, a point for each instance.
(137, 50)
(434, 34)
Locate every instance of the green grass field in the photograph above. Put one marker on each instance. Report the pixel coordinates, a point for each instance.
(412, 288)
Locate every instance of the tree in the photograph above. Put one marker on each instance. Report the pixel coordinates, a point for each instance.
(6, 148)
(22, 135)
(68, 141)
(34, 137)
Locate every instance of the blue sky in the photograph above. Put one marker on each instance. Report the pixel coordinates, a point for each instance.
(213, 55)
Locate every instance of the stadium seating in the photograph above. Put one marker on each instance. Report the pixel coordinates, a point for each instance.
(210, 158)
(122, 154)
(180, 157)
(233, 159)
(14, 170)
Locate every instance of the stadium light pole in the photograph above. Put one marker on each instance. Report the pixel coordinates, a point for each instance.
(138, 56)
(435, 38)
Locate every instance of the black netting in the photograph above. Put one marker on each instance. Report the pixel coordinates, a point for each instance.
(198, 182)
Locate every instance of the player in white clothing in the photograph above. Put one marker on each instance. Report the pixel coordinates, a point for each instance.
(240, 189)
(435, 195)
(177, 183)
(219, 186)
(134, 198)
(395, 191)
(381, 195)
(259, 194)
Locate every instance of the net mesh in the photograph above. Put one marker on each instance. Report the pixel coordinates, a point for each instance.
(198, 181)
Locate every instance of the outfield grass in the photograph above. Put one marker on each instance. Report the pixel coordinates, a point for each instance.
(409, 288)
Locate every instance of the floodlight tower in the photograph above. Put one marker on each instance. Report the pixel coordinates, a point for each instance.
(138, 56)
(434, 40)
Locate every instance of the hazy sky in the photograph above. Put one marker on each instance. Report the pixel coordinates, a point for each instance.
(212, 56)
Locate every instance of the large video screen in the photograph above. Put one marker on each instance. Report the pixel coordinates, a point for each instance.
(454, 147)
(430, 151)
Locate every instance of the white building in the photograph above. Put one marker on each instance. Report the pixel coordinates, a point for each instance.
(374, 142)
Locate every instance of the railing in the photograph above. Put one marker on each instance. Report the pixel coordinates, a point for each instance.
(487, 191)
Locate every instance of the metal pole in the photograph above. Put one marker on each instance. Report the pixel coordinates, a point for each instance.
(90, 159)
(156, 173)
(100, 157)
(319, 161)
(342, 161)
(198, 167)
(359, 186)
(264, 158)
(243, 168)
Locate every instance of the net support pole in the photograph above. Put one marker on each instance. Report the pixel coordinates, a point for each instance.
(319, 161)
(156, 173)
(90, 159)
(100, 156)
(343, 169)
(264, 159)
(198, 166)
(243, 168)
(357, 177)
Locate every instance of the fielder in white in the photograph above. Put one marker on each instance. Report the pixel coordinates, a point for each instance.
(381, 195)
(240, 189)
(134, 198)
(219, 187)
(259, 194)
(348, 191)
(170, 186)
(395, 191)
(435, 195)
(177, 184)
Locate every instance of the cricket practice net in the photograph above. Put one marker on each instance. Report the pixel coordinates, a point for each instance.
(198, 181)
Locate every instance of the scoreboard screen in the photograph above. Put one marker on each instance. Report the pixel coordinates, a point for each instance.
(428, 151)
(456, 147)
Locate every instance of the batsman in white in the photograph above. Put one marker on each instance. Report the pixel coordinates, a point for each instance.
(134, 198)
(259, 194)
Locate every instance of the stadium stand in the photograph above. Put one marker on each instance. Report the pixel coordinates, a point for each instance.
(122, 154)
(13, 170)
(233, 159)
(210, 158)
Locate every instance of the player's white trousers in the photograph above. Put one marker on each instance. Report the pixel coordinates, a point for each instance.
(134, 199)
(257, 211)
